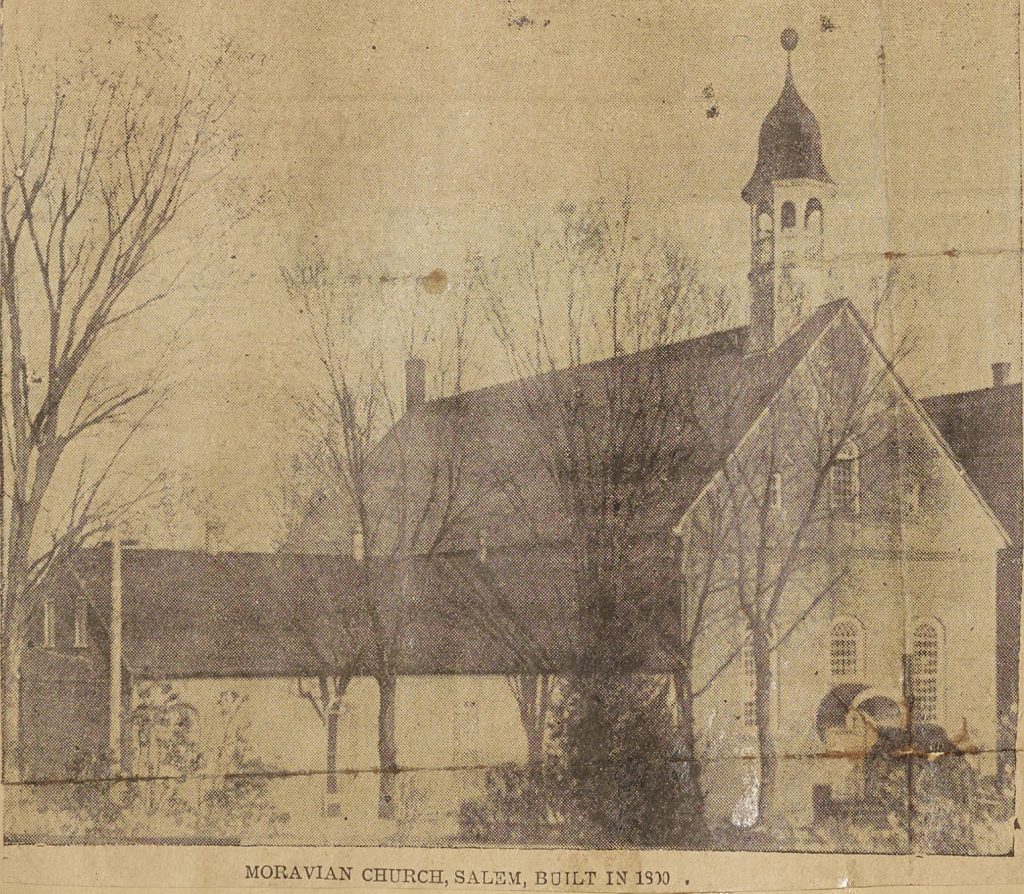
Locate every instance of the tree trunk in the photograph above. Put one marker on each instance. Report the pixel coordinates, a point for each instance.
(332, 750)
(387, 749)
(534, 743)
(687, 735)
(12, 764)
(763, 682)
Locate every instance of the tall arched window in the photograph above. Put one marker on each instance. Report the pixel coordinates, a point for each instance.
(844, 492)
(926, 670)
(788, 218)
(846, 648)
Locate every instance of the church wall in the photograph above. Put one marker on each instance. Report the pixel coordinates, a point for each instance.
(920, 546)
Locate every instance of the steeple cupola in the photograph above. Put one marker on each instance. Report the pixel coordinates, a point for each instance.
(789, 194)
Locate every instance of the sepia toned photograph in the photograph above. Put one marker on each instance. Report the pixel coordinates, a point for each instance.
(511, 425)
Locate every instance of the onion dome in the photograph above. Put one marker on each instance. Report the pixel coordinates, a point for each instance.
(789, 147)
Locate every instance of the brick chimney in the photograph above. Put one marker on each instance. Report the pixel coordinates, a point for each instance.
(415, 383)
(1000, 373)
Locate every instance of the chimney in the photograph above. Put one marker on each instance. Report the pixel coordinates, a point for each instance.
(115, 653)
(1000, 373)
(415, 383)
(358, 544)
(214, 535)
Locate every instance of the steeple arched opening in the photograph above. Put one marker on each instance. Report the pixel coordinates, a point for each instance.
(814, 215)
(788, 216)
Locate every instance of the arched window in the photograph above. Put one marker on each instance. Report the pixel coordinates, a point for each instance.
(926, 670)
(814, 216)
(764, 224)
(844, 490)
(846, 648)
(788, 215)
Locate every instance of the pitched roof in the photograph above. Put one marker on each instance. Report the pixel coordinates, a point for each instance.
(496, 438)
(193, 614)
(983, 429)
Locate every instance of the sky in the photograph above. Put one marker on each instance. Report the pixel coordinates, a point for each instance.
(402, 133)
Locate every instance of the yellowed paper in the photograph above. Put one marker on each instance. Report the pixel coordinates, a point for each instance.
(511, 446)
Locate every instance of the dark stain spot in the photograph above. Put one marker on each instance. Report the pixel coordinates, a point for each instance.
(435, 282)
(894, 255)
(827, 24)
(952, 252)
(521, 22)
(712, 112)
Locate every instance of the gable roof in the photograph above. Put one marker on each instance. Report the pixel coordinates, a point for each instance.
(507, 491)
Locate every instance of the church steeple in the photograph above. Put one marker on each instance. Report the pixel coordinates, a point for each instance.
(788, 194)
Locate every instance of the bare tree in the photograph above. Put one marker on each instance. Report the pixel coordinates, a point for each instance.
(769, 538)
(526, 624)
(96, 170)
(591, 323)
(324, 630)
(403, 475)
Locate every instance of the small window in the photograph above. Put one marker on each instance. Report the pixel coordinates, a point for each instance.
(764, 224)
(925, 671)
(358, 544)
(845, 480)
(81, 622)
(845, 649)
(788, 217)
(49, 624)
(912, 497)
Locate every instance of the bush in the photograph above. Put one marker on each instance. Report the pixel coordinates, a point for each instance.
(178, 787)
(513, 808)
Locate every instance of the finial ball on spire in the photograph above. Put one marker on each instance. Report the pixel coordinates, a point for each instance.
(789, 39)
